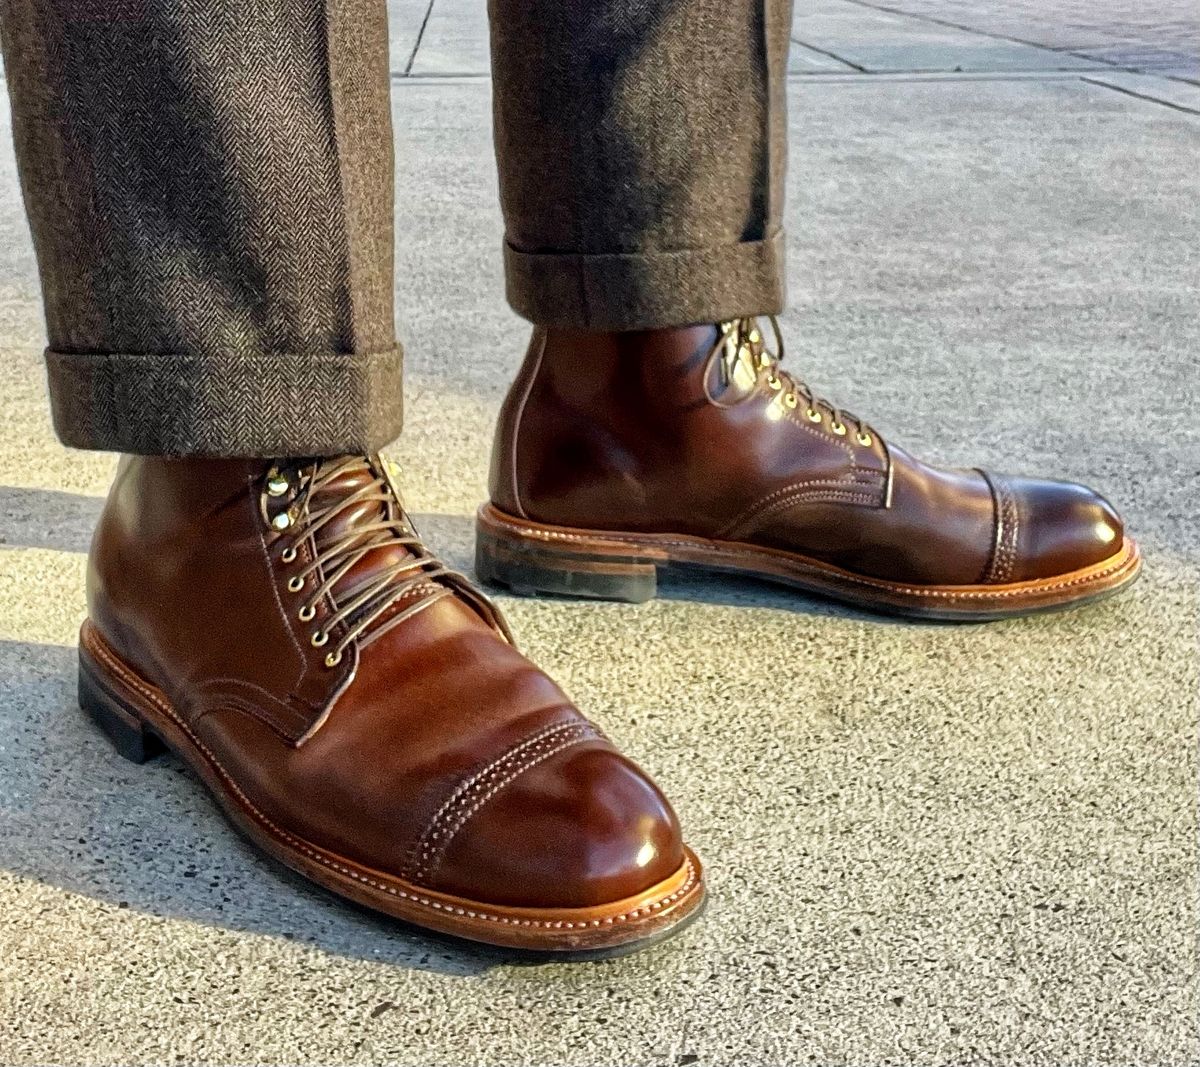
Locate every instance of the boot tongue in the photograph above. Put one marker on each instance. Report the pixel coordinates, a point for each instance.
(731, 369)
(358, 516)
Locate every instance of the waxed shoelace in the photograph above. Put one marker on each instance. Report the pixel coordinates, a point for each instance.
(740, 342)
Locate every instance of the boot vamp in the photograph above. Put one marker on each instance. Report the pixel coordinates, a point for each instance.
(935, 526)
(453, 762)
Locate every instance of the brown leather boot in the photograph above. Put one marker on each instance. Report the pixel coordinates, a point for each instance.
(360, 712)
(617, 454)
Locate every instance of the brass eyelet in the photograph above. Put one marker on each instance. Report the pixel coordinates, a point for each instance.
(333, 659)
(281, 521)
(288, 555)
(774, 383)
(790, 401)
(277, 484)
(319, 638)
(864, 439)
(295, 584)
(307, 613)
(838, 429)
(813, 416)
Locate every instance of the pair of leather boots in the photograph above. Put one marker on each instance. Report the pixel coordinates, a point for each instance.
(361, 712)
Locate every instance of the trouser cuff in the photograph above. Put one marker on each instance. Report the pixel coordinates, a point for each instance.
(645, 290)
(269, 404)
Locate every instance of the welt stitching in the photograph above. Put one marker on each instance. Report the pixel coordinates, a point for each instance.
(319, 857)
(628, 539)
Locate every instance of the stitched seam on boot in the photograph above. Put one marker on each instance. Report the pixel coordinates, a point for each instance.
(501, 772)
(518, 417)
(1004, 550)
(798, 491)
(422, 849)
(814, 496)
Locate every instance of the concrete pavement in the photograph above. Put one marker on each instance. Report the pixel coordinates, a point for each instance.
(927, 844)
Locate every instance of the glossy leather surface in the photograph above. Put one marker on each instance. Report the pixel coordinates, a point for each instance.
(436, 753)
(616, 432)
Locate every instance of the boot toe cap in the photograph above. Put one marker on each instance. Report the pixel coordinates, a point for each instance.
(1063, 527)
(583, 828)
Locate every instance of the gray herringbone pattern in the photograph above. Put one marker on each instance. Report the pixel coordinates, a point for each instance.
(641, 148)
(209, 189)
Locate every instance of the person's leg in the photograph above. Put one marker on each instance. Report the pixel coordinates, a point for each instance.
(209, 188)
(641, 147)
(640, 150)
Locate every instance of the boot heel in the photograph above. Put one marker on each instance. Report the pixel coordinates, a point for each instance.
(129, 735)
(528, 566)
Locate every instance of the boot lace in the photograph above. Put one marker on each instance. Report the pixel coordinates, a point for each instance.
(741, 345)
(360, 602)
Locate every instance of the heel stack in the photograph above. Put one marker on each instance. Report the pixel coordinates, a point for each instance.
(129, 735)
(529, 559)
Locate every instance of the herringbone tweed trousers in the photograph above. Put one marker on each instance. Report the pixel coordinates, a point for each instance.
(209, 187)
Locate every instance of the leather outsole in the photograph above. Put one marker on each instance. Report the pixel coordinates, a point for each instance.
(530, 558)
(139, 720)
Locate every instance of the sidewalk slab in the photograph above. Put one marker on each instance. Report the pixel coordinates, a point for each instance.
(877, 40)
(1069, 25)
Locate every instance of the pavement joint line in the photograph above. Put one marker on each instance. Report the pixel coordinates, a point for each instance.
(1074, 50)
(892, 77)
(1141, 96)
(412, 57)
(855, 77)
(829, 54)
(446, 77)
(945, 74)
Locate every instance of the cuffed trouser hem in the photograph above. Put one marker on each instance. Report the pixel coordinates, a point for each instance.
(271, 404)
(645, 290)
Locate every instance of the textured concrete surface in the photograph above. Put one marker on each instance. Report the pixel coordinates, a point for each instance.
(1153, 34)
(927, 844)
